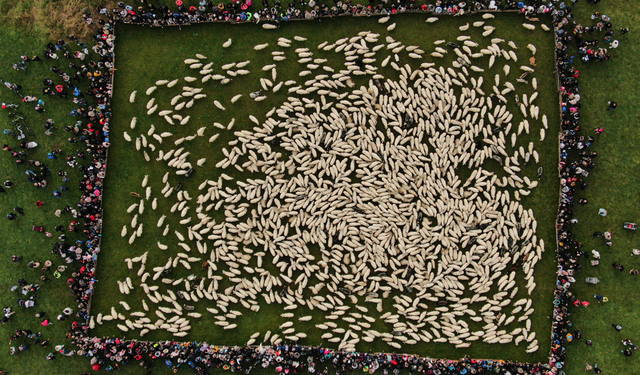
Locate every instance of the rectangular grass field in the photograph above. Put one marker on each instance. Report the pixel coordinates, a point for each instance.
(148, 55)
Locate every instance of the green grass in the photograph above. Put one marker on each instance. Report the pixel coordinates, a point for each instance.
(613, 185)
(167, 48)
(17, 236)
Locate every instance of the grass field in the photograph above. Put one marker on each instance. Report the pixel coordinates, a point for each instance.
(170, 48)
(611, 187)
(17, 236)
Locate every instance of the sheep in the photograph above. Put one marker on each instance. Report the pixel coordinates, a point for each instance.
(235, 98)
(219, 105)
(260, 46)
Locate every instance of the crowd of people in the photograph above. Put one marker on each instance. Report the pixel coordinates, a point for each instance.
(247, 11)
(91, 135)
(284, 359)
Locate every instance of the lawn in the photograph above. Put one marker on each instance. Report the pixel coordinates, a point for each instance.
(127, 166)
(598, 81)
(17, 236)
(613, 186)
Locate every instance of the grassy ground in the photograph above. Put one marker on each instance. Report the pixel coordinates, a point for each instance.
(17, 236)
(613, 187)
(166, 52)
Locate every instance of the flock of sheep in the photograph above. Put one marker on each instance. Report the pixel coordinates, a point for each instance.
(368, 178)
